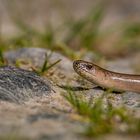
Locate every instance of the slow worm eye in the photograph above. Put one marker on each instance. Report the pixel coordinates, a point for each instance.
(89, 67)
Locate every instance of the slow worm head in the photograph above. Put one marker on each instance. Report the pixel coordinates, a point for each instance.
(106, 78)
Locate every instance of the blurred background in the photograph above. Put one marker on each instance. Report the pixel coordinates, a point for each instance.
(109, 28)
(105, 32)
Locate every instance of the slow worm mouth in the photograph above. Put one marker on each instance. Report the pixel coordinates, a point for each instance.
(77, 65)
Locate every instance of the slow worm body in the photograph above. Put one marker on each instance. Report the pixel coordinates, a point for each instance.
(107, 79)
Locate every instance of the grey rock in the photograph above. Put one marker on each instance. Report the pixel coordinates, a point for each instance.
(37, 57)
(131, 99)
(120, 65)
(18, 85)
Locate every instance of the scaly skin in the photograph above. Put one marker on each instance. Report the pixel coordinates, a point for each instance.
(106, 78)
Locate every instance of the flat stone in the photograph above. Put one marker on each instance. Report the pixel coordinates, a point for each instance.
(17, 85)
(37, 57)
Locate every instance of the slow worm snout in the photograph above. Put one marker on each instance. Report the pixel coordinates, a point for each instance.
(106, 78)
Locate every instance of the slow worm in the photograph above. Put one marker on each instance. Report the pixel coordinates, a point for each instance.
(107, 79)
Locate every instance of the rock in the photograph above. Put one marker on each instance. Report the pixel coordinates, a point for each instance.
(61, 73)
(37, 57)
(18, 85)
(52, 117)
(120, 65)
(131, 99)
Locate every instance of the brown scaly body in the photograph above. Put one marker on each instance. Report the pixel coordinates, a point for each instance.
(106, 78)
